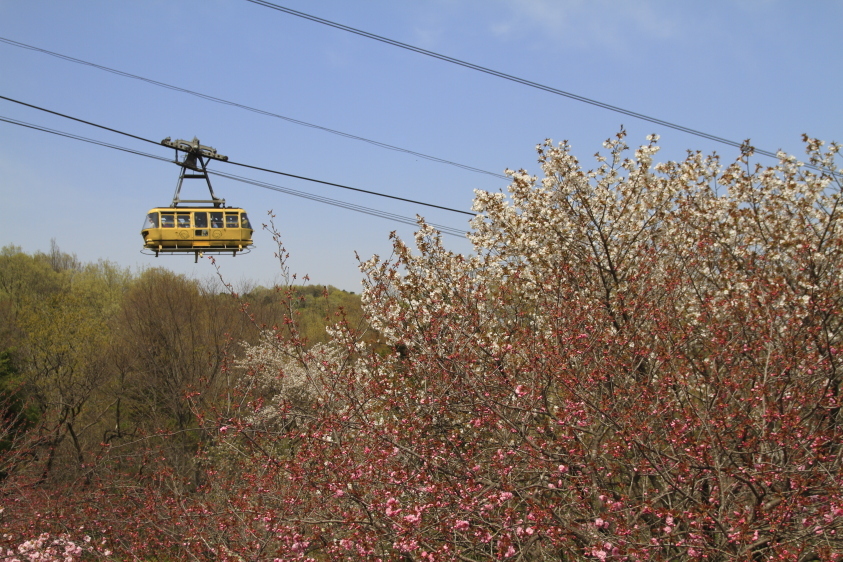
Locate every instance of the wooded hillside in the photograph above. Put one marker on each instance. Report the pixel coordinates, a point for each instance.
(94, 357)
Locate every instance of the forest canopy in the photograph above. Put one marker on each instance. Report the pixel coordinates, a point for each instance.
(94, 355)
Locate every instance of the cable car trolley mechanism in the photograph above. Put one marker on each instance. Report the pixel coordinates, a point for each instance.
(197, 227)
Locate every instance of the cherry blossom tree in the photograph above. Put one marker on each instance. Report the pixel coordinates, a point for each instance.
(639, 362)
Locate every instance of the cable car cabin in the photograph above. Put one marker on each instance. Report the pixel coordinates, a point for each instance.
(197, 230)
(213, 229)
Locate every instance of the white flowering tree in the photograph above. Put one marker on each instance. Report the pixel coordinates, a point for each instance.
(639, 362)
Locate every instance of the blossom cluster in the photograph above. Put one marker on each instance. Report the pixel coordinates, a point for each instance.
(47, 548)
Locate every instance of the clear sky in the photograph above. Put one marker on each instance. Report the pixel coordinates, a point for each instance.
(768, 70)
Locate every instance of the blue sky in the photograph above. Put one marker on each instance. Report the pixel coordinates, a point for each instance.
(768, 70)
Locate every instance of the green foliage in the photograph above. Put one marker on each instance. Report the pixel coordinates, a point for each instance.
(96, 354)
(16, 414)
(313, 307)
(23, 276)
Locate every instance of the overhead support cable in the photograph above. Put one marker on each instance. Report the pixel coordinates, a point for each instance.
(77, 120)
(353, 188)
(345, 205)
(81, 138)
(378, 194)
(509, 77)
(320, 199)
(249, 108)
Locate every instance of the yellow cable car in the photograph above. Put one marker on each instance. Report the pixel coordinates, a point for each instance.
(191, 229)
(170, 229)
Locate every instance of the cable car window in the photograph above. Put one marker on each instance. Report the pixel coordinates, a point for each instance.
(216, 220)
(168, 220)
(244, 220)
(183, 220)
(231, 220)
(200, 220)
(151, 221)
